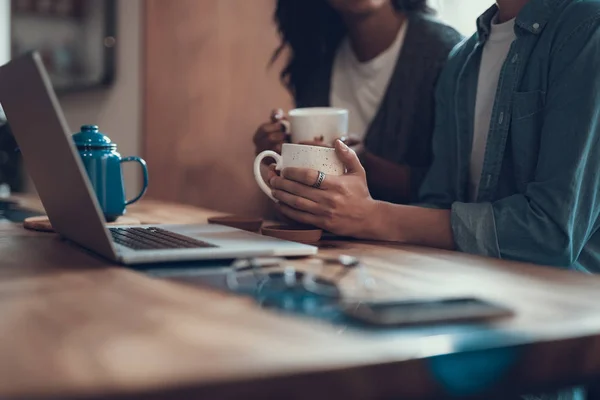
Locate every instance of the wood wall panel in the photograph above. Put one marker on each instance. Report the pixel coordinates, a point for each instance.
(207, 88)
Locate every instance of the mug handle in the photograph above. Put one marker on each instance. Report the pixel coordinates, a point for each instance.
(258, 176)
(145, 174)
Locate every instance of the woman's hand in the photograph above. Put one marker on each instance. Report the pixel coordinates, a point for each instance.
(271, 135)
(342, 205)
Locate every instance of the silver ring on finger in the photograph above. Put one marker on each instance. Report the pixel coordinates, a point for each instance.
(319, 181)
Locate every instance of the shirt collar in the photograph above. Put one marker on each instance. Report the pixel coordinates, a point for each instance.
(484, 23)
(533, 17)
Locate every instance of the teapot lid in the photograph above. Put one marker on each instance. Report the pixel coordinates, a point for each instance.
(91, 137)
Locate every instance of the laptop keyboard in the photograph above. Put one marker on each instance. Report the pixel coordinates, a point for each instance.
(154, 239)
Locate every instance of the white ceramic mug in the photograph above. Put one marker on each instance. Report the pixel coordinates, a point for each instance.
(318, 158)
(315, 123)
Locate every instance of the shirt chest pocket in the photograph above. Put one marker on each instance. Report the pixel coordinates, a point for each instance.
(527, 104)
(526, 126)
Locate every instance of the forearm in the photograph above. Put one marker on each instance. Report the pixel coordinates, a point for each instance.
(410, 225)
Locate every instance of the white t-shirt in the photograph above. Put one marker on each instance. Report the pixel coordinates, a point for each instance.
(360, 86)
(494, 54)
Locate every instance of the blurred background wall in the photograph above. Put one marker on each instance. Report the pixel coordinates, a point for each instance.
(207, 88)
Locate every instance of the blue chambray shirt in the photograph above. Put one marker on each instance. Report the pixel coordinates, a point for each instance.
(539, 196)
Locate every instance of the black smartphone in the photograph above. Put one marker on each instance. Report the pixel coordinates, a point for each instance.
(425, 311)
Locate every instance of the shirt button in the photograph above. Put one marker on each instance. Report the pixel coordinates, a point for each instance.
(515, 58)
(501, 118)
(536, 26)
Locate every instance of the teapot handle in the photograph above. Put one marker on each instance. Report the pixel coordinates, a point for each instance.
(145, 175)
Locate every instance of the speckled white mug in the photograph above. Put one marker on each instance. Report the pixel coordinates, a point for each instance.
(318, 158)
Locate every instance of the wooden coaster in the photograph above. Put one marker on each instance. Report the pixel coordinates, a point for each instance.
(42, 224)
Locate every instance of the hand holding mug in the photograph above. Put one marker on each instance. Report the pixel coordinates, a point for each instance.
(314, 126)
(273, 134)
(341, 204)
(319, 159)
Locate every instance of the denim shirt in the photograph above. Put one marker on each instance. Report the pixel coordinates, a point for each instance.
(538, 198)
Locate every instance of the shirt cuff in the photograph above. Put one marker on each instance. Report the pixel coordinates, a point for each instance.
(474, 229)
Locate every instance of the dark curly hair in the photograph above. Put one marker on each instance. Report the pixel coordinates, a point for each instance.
(312, 30)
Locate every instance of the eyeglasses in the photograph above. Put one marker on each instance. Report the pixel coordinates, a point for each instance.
(303, 291)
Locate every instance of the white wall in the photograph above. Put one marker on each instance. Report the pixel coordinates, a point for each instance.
(117, 110)
(461, 14)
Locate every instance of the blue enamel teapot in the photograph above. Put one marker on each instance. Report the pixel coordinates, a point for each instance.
(103, 166)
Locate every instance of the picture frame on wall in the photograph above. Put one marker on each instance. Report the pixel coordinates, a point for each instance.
(77, 40)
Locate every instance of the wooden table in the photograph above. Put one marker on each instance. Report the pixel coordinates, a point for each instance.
(73, 325)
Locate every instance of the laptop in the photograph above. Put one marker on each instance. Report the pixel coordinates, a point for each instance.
(52, 161)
